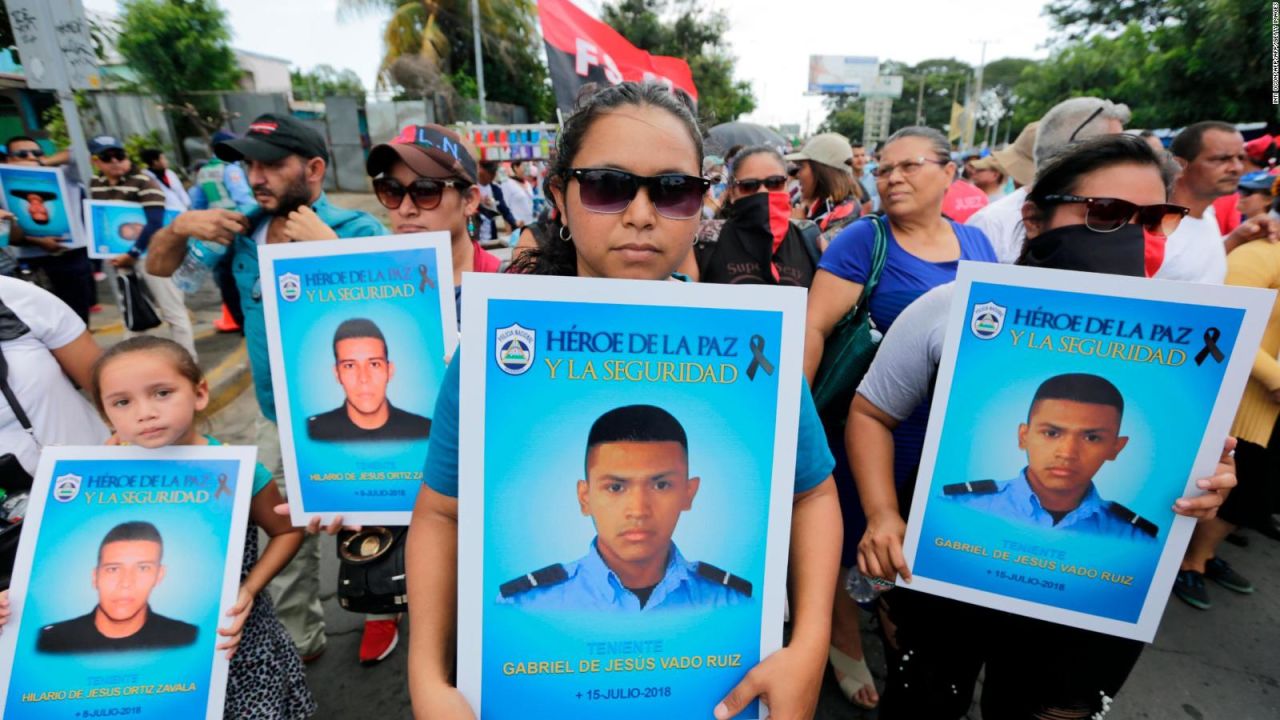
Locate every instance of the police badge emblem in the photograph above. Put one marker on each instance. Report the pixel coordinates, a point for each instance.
(66, 487)
(514, 349)
(988, 320)
(290, 287)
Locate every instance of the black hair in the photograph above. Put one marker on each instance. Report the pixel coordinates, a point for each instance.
(8, 146)
(490, 166)
(560, 258)
(747, 152)
(855, 144)
(132, 531)
(1147, 134)
(149, 156)
(1081, 388)
(637, 423)
(1188, 143)
(357, 328)
(1061, 174)
(733, 152)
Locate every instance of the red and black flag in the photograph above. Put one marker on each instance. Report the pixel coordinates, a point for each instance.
(581, 49)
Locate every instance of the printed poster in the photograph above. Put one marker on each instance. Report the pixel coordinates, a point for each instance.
(128, 563)
(41, 202)
(358, 331)
(627, 474)
(113, 226)
(1046, 487)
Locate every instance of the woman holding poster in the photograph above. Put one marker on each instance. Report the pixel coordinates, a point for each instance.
(626, 182)
(947, 641)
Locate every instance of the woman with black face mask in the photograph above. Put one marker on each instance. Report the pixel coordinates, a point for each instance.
(757, 243)
(1099, 207)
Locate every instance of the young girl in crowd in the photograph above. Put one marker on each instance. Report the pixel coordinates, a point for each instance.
(151, 392)
(611, 151)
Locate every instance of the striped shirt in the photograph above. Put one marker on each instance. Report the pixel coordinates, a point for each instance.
(134, 187)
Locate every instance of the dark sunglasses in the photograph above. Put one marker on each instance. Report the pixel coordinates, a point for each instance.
(1111, 214)
(773, 182)
(674, 196)
(111, 155)
(27, 153)
(425, 192)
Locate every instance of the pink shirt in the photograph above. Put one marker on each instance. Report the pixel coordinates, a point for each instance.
(962, 200)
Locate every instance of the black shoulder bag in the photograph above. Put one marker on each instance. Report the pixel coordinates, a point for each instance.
(13, 479)
(371, 571)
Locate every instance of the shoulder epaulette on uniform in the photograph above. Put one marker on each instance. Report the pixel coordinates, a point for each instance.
(710, 572)
(546, 577)
(975, 487)
(1133, 519)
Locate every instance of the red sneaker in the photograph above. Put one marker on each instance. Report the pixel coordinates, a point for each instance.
(379, 639)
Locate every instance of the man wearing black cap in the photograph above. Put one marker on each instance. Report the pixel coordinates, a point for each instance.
(285, 162)
(117, 179)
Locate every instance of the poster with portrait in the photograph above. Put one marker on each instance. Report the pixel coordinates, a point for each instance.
(42, 203)
(113, 226)
(1071, 410)
(358, 332)
(627, 468)
(128, 563)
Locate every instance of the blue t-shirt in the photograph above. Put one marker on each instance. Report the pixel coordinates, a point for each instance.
(905, 276)
(813, 459)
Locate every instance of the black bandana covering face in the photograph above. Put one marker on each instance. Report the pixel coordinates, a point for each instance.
(1076, 247)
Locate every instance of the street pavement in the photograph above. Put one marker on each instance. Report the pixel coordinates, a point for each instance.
(1223, 664)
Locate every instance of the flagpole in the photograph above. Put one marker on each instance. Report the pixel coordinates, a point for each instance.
(475, 30)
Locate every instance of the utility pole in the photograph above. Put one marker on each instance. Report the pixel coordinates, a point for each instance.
(976, 97)
(920, 100)
(475, 30)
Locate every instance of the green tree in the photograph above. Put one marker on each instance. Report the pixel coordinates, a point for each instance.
(324, 81)
(428, 46)
(685, 29)
(180, 49)
(846, 114)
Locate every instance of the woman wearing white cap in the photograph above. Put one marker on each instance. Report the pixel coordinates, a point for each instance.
(824, 167)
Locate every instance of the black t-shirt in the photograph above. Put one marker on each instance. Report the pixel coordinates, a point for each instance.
(80, 635)
(336, 426)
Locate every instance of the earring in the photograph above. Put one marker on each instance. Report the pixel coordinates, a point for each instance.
(471, 226)
(565, 234)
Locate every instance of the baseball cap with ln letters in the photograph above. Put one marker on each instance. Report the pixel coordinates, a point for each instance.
(431, 151)
(271, 138)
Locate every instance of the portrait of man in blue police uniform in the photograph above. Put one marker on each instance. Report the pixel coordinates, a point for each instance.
(636, 486)
(1072, 430)
(129, 568)
(362, 366)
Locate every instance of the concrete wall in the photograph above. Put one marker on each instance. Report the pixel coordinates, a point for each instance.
(264, 74)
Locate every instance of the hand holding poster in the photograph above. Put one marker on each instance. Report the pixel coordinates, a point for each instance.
(39, 197)
(358, 334)
(628, 455)
(128, 563)
(113, 226)
(1050, 492)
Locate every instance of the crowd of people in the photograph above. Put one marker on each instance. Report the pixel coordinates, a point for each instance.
(878, 229)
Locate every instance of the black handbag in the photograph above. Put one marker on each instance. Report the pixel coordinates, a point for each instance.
(852, 345)
(13, 479)
(371, 570)
(135, 306)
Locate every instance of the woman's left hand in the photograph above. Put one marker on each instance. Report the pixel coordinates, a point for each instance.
(238, 613)
(1203, 507)
(787, 681)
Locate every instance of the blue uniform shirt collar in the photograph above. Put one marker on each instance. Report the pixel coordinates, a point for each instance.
(602, 582)
(1024, 497)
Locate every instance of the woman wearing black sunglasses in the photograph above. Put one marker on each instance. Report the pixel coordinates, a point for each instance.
(627, 186)
(756, 242)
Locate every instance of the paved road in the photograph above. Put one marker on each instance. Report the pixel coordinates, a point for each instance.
(1218, 665)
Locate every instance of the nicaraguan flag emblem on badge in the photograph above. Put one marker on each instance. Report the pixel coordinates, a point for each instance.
(514, 348)
(988, 320)
(290, 287)
(66, 487)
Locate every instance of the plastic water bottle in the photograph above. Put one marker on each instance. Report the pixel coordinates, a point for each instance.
(201, 258)
(864, 589)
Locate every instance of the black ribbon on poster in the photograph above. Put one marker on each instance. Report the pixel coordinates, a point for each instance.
(425, 279)
(1211, 337)
(758, 360)
(222, 487)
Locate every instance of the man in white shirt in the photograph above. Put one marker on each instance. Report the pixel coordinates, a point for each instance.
(1211, 155)
(1067, 123)
(518, 194)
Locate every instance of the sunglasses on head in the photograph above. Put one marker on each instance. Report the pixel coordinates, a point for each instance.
(425, 192)
(111, 155)
(1110, 214)
(773, 182)
(674, 196)
(24, 154)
